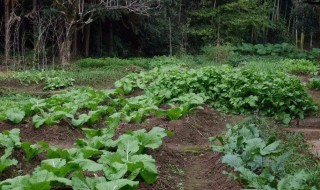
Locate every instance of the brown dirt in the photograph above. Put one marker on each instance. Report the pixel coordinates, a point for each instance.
(315, 94)
(14, 86)
(61, 136)
(185, 160)
(304, 78)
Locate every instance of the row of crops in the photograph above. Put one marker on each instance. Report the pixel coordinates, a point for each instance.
(112, 164)
(102, 161)
(226, 89)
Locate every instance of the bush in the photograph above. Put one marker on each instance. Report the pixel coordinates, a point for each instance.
(163, 61)
(295, 66)
(110, 62)
(314, 83)
(219, 54)
(284, 50)
(300, 66)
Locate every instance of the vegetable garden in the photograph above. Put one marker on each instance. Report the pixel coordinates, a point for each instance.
(154, 127)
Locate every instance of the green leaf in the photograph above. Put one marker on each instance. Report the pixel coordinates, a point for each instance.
(232, 160)
(58, 166)
(88, 165)
(79, 182)
(127, 146)
(38, 121)
(114, 167)
(5, 163)
(118, 184)
(15, 115)
(152, 139)
(33, 150)
(147, 166)
(115, 171)
(271, 148)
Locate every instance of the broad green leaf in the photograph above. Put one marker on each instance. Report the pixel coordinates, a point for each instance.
(232, 160)
(38, 121)
(118, 185)
(115, 171)
(88, 165)
(5, 163)
(15, 115)
(127, 146)
(271, 148)
(146, 164)
(80, 182)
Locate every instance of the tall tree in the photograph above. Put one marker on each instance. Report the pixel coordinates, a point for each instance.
(78, 13)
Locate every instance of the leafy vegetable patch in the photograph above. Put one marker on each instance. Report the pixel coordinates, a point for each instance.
(264, 163)
(98, 162)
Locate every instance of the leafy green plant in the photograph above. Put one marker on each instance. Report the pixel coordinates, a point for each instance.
(294, 66)
(53, 79)
(109, 62)
(187, 102)
(58, 83)
(8, 140)
(300, 66)
(262, 163)
(314, 83)
(15, 115)
(33, 150)
(284, 50)
(237, 91)
(219, 53)
(117, 162)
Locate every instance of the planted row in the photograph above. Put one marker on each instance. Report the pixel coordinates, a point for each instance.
(53, 80)
(232, 90)
(88, 106)
(98, 161)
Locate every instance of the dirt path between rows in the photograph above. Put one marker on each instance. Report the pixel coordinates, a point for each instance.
(185, 161)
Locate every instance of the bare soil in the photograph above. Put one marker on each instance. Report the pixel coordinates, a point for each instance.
(62, 135)
(14, 86)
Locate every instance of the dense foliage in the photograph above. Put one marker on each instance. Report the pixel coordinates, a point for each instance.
(284, 50)
(227, 89)
(314, 83)
(112, 163)
(34, 33)
(266, 163)
(52, 79)
(293, 66)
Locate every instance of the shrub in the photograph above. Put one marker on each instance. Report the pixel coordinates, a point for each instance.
(284, 50)
(219, 54)
(110, 62)
(314, 83)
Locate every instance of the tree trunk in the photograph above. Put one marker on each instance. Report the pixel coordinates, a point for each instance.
(111, 47)
(170, 36)
(7, 31)
(302, 41)
(311, 40)
(34, 7)
(75, 45)
(87, 41)
(65, 52)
